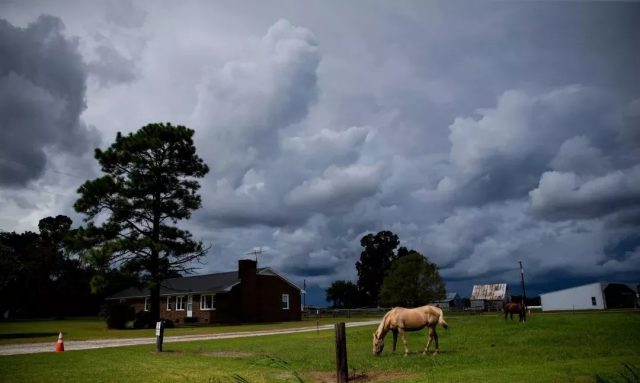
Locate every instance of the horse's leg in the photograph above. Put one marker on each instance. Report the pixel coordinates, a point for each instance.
(395, 339)
(430, 334)
(435, 337)
(404, 341)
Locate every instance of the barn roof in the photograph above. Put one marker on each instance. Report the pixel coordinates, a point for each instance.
(208, 283)
(490, 292)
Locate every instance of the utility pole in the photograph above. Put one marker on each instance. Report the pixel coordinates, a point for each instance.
(524, 294)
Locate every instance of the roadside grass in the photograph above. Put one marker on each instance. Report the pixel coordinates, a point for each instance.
(561, 347)
(41, 331)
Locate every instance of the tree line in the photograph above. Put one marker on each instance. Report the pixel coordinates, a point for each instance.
(388, 275)
(42, 276)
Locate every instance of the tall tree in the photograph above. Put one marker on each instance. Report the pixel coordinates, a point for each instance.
(343, 294)
(133, 210)
(412, 281)
(375, 261)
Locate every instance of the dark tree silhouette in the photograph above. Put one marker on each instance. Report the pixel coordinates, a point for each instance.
(375, 261)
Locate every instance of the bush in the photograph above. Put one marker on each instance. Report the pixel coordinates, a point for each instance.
(116, 314)
(143, 320)
(168, 323)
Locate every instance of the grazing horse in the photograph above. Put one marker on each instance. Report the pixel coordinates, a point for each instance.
(514, 308)
(399, 320)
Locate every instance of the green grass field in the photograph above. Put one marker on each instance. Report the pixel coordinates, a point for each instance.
(41, 331)
(567, 347)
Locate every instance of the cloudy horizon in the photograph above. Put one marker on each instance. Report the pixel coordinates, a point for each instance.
(482, 134)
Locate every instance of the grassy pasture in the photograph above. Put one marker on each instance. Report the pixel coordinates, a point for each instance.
(562, 347)
(42, 331)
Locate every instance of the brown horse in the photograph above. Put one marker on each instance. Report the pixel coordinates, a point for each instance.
(514, 308)
(399, 320)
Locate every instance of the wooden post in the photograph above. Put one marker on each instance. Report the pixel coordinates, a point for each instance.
(341, 353)
(159, 336)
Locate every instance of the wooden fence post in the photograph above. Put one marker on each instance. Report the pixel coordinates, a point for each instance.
(341, 352)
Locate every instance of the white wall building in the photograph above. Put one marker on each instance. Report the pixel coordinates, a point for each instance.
(594, 296)
(587, 297)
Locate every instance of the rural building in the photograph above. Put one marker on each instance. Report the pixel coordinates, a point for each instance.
(453, 301)
(250, 294)
(594, 296)
(489, 297)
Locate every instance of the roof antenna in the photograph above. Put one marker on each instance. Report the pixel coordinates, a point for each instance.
(255, 252)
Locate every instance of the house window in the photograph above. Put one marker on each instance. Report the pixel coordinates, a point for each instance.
(180, 303)
(147, 304)
(593, 301)
(168, 303)
(207, 302)
(285, 301)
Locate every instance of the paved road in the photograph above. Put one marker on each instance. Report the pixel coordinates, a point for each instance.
(33, 348)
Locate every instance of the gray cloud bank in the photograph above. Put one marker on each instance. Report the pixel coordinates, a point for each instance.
(480, 135)
(42, 94)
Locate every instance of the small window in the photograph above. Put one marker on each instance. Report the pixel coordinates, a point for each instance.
(180, 303)
(593, 301)
(168, 303)
(207, 302)
(147, 304)
(285, 301)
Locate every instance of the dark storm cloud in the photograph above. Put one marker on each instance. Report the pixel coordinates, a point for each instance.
(42, 90)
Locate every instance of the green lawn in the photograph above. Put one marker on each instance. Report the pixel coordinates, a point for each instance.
(39, 331)
(571, 347)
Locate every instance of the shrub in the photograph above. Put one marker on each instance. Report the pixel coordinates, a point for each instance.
(116, 314)
(168, 323)
(143, 320)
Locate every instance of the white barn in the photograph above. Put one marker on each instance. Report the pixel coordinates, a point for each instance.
(594, 296)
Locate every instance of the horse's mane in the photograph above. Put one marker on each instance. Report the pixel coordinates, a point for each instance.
(383, 327)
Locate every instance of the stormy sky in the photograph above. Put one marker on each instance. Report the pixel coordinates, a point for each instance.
(482, 133)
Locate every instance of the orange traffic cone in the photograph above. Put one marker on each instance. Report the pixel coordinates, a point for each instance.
(60, 344)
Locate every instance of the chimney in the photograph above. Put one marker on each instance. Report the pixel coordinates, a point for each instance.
(247, 270)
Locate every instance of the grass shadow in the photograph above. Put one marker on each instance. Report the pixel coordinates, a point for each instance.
(26, 335)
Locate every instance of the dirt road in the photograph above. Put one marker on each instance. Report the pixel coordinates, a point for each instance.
(33, 348)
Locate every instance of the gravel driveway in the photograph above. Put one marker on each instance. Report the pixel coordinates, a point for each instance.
(15, 349)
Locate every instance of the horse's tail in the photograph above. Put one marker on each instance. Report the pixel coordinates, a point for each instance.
(442, 322)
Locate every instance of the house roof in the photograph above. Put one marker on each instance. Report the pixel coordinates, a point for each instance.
(208, 283)
(491, 292)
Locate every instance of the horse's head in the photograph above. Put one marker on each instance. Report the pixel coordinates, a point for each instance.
(378, 344)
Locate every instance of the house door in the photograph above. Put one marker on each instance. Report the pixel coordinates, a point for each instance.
(189, 306)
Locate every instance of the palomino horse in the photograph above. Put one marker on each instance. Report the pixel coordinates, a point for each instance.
(514, 308)
(399, 320)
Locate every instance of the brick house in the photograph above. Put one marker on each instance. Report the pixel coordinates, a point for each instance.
(250, 294)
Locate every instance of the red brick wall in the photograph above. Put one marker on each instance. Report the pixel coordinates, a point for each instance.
(271, 289)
